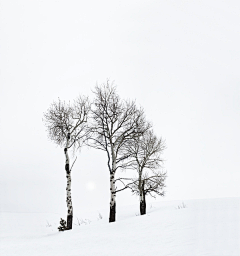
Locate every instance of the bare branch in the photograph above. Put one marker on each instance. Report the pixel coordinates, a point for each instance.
(63, 118)
(146, 158)
(115, 124)
(73, 164)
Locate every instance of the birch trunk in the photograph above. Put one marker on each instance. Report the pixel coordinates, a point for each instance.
(112, 214)
(143, 205)
(142, 200)
(68, 188)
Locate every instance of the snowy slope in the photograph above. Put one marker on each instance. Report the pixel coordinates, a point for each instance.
(205, 227)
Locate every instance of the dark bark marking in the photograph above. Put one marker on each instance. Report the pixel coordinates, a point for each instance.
(112, 214)
(67, 168)
(143, 207)
(69, 221)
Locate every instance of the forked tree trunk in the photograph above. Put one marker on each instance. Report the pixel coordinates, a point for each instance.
(68, 189)
(112, 214)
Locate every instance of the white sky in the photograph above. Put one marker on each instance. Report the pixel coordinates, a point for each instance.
(180, 60)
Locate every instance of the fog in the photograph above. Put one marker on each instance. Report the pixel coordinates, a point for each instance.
(178, 59)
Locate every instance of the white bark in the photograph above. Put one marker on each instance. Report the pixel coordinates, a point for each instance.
(113, 189)
(69, 181)
(112, 180)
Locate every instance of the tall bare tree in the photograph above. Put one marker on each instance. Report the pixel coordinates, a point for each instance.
(115, 124)
(67, 127)
(146, 153)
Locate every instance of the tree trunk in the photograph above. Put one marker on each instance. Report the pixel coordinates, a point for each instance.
(69, 221)
(143, 205)
(112, 214)
(142, 199)
(68, 189)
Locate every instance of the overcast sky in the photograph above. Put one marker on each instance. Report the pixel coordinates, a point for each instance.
(179, 60)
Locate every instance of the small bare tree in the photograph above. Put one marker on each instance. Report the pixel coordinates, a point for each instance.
(67, 126)
(115, 124)
(146, 153)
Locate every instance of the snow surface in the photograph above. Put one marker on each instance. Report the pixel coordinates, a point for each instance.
(205, 227)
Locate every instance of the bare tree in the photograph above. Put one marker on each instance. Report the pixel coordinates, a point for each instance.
(67, 126)
(146, 153)
(115, 124)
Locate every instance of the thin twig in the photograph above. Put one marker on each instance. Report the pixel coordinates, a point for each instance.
(73, 164)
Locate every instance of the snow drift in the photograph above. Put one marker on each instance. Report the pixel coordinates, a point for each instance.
(197, 227)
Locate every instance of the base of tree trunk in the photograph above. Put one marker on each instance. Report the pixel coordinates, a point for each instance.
(112, 215)
(69, 221)
(143, 207)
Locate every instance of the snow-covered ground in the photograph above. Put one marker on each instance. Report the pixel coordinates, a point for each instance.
(205, 227)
